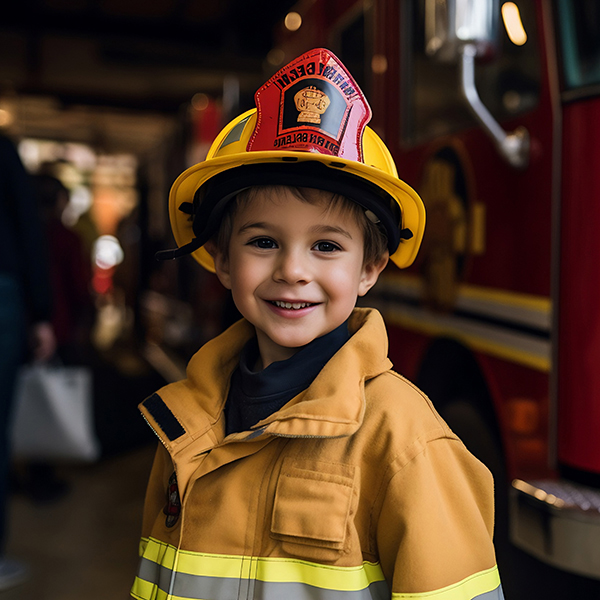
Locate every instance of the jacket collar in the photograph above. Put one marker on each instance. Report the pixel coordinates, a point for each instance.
(333, 405)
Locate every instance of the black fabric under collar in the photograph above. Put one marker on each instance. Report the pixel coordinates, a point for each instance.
(254, 395)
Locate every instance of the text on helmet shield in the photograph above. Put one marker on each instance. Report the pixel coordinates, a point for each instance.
(312, 105)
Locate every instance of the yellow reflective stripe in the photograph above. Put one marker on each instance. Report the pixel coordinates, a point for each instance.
(270, 570)
(471, 587)
(145, 589)
(343, 579)
(159, 552)
(143, 544)
(212, 565)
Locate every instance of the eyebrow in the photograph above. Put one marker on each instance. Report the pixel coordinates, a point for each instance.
(331, 229)
(315, 229)
(257, 225)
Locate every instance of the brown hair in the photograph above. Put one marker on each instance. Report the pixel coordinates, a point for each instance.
(375, 240)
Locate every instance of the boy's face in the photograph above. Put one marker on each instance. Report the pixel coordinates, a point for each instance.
(295, 270)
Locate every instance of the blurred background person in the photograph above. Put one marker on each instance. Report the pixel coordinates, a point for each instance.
(70, 274)
(25, 312)
(71, 316)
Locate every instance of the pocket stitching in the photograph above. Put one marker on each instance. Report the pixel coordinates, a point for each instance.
(294, 472)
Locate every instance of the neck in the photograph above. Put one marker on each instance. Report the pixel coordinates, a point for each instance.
(270, 353)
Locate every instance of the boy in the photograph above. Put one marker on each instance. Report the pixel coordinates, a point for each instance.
(296, 463)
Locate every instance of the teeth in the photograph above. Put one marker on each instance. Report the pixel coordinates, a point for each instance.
(293, 305)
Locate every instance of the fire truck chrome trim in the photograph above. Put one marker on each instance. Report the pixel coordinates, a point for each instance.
(512, 326)
(514, 347)
(526, 310)
(559, 523)
(514, 147)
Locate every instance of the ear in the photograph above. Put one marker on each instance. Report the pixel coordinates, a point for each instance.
(370, 274)
(221, 264)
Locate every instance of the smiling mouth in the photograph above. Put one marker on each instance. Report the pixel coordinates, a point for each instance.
(292, 305)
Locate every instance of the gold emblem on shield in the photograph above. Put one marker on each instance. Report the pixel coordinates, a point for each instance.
(311, 103)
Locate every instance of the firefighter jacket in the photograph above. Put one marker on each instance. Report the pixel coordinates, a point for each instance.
(356, 488)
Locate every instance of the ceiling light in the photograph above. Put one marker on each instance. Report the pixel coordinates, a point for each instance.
(513, 24)
(200, 101)
(292, 21)
(379, 64)
(108, 252)
(6, 118)
(275, 57)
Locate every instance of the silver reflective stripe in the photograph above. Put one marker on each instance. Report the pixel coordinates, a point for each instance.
(378, 590)
(496, 594)
(202, 587)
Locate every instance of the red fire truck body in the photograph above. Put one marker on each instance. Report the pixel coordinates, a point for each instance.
(498, 320)
(579, 293)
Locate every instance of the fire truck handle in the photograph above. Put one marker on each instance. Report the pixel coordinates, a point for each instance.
(514, 146)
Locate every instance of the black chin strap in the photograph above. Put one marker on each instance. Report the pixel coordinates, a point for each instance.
(206, 212)
(179, 252)
(405, 234)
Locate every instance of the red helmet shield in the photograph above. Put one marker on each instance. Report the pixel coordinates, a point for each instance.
(312, 104)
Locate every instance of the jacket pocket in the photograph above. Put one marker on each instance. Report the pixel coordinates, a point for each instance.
(314, 501)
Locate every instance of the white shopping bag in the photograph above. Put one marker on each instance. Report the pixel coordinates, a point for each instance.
(53, 417)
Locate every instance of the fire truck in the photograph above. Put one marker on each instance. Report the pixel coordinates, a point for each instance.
(492, 112)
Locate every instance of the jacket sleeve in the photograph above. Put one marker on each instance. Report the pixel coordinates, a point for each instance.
(434, 533)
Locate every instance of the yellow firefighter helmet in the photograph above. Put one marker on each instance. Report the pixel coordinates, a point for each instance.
(308, 129)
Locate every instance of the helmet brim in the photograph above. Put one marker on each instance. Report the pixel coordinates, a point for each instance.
(190, 181)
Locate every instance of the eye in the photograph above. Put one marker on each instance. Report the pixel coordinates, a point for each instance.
(263, 243)
(326, 247)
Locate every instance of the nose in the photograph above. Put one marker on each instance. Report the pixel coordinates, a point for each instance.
(292, 266)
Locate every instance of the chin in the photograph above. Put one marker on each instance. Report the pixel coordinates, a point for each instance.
(294, 343)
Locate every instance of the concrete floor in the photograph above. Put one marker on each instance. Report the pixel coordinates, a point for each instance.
(85, 545)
